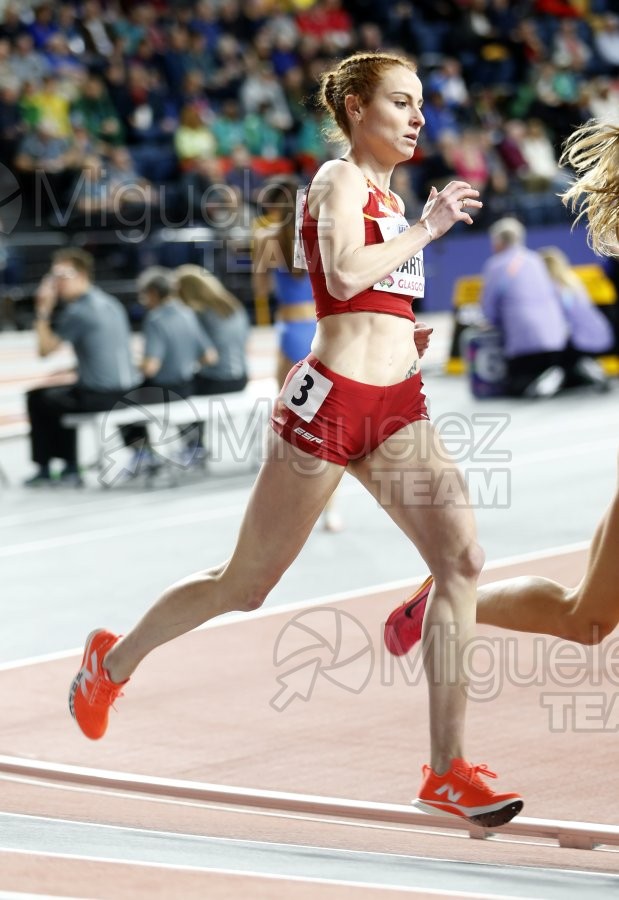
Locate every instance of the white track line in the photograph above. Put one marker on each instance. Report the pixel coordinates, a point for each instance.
(205, 805)
(239, 873)
(158, 524)
(341, 597)
(582, 835)
(114, 531)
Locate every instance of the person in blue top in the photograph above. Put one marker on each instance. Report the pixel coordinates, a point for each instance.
(275, 273)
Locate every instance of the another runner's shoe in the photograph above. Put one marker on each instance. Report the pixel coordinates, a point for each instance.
(403, 627)
(92, 692)
(461, 792)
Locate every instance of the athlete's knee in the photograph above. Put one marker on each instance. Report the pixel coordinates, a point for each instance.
(578, 625)
(252, 601)
(585, 631)
(243, 587)
(218, 570)
(254, 595)
(458, 565)
(470, 561)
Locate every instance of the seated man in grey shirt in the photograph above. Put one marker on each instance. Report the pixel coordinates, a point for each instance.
(175, 346)
(97, 326)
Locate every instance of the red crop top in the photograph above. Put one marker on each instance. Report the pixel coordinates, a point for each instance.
(394, 293)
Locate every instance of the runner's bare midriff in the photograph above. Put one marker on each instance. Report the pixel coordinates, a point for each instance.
(369, 347)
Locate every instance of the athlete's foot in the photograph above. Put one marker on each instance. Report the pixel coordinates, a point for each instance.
(461, 792)
(403, 627)
(92, 691)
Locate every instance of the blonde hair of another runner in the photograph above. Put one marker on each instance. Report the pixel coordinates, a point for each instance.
(592, 151)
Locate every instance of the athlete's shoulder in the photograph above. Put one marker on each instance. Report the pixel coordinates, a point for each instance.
(336, 172)
(336, 180)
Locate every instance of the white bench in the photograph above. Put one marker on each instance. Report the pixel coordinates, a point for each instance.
(233, 429)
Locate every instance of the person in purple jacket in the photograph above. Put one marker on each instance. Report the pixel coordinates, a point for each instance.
(520, 300)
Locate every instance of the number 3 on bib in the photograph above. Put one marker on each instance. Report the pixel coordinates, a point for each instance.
(307, 385)
(306, 391)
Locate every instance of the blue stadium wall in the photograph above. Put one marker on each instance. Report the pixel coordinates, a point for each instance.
(458, 255)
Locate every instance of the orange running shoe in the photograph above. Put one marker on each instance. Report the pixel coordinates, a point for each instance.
(403, 627)
(461, 792)
(92, 693)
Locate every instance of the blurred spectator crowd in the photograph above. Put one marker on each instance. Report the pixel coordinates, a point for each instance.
(118, 107)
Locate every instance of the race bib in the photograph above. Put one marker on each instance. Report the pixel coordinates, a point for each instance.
(409, 278)
(306, 391)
